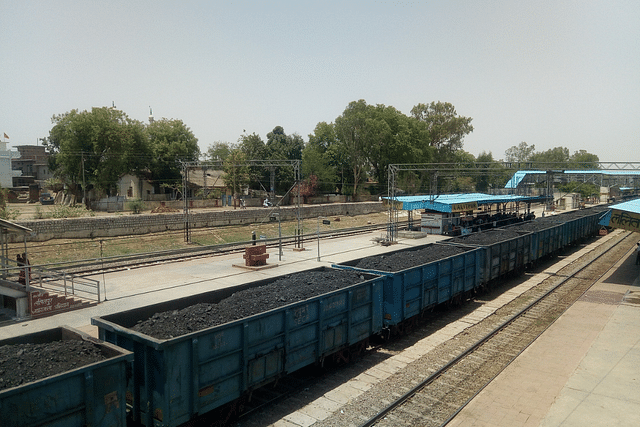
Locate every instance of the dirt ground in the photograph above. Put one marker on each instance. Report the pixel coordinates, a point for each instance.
(63, 250)
(28, 211)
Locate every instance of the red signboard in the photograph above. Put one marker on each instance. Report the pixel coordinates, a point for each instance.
(43, 304)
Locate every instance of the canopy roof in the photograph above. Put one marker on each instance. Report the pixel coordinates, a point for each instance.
(12, 226)
(625, 215)
(520, 175)
(460, 202)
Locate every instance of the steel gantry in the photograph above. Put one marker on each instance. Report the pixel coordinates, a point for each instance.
(218, 165)
(599, 173)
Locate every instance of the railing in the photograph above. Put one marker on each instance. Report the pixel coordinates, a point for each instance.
(62, 283)
(66, 284)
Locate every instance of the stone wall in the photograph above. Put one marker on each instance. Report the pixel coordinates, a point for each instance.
(129, 224)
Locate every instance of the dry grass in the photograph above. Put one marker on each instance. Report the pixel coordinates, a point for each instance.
(65, 250)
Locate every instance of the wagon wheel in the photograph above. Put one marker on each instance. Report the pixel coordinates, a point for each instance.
(341, 356)
(360, 348)
(229, 413)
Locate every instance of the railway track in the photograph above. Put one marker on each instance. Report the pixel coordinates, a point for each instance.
(96, 265)
(431, 390)
(435, 400)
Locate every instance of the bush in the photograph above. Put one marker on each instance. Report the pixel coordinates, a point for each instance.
(135, 205)
(60, 211)
(9, 214)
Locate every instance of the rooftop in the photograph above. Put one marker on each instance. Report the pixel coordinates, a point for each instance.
(460, 201)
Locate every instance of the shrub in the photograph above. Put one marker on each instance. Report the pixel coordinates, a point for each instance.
(9, 214)
(61, 211)
(135, 205)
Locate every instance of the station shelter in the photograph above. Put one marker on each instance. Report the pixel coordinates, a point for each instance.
(13, 295)
(625, 215)
(463, 213)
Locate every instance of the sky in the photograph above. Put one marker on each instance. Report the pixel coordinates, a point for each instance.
(562, 73)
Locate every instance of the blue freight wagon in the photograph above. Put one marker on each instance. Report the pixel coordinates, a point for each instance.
(91, 395)
(586, 220)
(503, 255)
(410, 291)
(577, 225)
(175, 380)
(546, 236)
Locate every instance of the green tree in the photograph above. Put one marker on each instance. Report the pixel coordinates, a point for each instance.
(254, 148)
(280, 146)
(171, 141)
(236, 168)
(318, 159)
(393, 138)
(219, 151)
(583, 160)
(491, 173)
(446, 130)
(96, 146)
(583, 188)
(461, 181)
(554, 158)
(351, 131)
(519, 153)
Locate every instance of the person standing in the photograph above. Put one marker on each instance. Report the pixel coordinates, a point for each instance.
(21, 271)
(638, 254)
(27, 264)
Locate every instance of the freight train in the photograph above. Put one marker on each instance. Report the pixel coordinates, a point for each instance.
(174, 380)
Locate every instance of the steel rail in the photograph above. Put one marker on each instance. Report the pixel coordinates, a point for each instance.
(93, 265)
(416, 389)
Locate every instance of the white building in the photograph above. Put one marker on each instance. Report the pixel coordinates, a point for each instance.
(6, 173)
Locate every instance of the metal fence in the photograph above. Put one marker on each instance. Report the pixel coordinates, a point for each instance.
(59, 282)
(66, 284)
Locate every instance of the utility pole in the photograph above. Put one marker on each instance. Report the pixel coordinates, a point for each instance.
(185, 175)
(84, 186)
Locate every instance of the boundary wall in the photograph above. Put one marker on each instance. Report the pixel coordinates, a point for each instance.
(132, 224)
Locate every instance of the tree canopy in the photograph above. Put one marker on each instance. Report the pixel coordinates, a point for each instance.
(219, 151)
(347, 155)
(319, 160)
(445, 129)
(171, 141)
(519, 153)
(99, 146)
(554, 158)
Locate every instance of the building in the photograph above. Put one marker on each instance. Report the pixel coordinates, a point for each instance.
(33, 165)
(6, 171)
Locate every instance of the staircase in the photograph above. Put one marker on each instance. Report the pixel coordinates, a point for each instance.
(46, 303)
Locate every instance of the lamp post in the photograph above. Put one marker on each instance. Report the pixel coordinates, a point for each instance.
(325, 222)
(273, 218)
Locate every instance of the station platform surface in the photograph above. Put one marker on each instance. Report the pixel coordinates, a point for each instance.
(141, 286)
(583, 371)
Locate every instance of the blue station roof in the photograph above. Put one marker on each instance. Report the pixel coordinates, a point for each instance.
(626, 215)
(519, 175)
(460, 202)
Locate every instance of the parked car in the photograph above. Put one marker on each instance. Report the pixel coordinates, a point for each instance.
(46, 199)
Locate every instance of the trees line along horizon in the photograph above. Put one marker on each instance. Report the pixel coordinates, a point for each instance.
(350, 155)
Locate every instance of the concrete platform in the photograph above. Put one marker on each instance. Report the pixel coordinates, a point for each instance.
(583, 371)
(138, 287)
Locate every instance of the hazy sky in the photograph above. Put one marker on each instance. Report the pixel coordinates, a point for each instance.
(550, 73)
